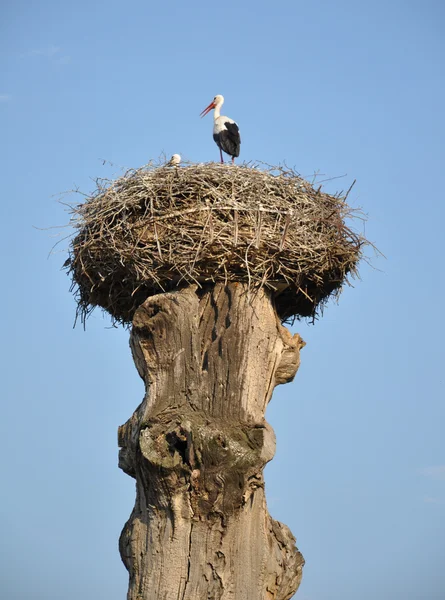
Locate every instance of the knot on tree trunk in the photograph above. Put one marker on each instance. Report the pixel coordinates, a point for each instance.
(218, 464)
(197, 446)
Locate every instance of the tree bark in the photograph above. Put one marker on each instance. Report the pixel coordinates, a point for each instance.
(197, 446)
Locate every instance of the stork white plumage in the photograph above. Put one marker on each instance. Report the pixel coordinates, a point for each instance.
(175, 160)
(225, 130)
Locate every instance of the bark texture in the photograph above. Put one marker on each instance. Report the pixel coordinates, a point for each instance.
(197, 446)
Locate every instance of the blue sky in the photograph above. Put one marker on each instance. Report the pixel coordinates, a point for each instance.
(340, 88)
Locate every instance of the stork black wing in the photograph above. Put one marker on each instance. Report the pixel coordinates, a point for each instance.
(232, 139)
(228, 139)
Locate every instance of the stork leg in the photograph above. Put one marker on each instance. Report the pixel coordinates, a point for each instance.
(222, 160)
(233, 160)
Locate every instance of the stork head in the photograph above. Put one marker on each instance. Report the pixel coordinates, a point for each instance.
(217, 101)
(175, 159)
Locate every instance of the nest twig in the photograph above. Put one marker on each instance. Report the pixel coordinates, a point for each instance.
(159, 227)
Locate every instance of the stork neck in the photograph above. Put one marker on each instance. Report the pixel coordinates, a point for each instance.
(217, 111)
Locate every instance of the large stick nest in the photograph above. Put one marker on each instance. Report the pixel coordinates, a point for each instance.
(159, 227)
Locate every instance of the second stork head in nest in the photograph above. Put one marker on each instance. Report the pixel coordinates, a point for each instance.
(225, 130)
(174, 161)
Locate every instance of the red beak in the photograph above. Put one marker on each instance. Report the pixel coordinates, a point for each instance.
(207, 110)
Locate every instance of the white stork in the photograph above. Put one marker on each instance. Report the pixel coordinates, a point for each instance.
(175, 160)
(225, 130)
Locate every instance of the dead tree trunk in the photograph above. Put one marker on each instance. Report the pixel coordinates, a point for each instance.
(197, 446)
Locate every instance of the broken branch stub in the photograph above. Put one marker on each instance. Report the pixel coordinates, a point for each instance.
(197, 446)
